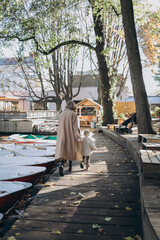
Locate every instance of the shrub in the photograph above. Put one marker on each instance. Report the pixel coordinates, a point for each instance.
(157, 111)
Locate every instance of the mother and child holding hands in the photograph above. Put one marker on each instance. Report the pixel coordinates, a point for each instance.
(70, 146)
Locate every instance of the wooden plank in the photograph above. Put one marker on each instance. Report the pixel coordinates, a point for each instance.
(31, 235)
(154, 160)
(151, 164)
(149, 138)
(151, 146)
(73, 228)
(158, 157)
(144, 157)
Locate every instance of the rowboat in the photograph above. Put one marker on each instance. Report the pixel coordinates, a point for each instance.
(46, 162)
(21, 138)
(1, 216)
(10, 193)
(21, 173)
(22, 150)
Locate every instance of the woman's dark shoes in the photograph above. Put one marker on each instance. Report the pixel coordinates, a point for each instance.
(61, 171)
(81, 165)
(70, 169)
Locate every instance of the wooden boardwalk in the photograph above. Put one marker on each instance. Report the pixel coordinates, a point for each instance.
(102, 203)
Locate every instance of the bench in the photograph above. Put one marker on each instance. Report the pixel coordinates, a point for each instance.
(149, 138)
(150, 161)
(151, 146)
(113, 126)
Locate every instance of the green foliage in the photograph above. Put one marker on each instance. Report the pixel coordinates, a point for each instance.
(157, 112)
(122, 115)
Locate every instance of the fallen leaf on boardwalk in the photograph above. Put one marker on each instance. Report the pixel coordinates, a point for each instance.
(53, 184)
(100, 229)
(95, 226)
(128, 238)
(129, 173)
(72, 178)
(58, 232)
(77, 202)
(81, 194)
(46, 185)
(70, 204)
(132, 161)
(128, 208)
(106, 182)
(124, 161)
(138, 237)
(99, 172)
(11, 238)
(116, 206)
(158, 196)
(14, 227)
(25, 214)
(115, 183)
(64, 202)
(60, 208)
(73, 193)
(108, 219)
(18, 234)
(80, 231)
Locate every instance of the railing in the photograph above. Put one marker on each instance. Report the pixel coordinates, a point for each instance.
(42, 114)
(13, 115)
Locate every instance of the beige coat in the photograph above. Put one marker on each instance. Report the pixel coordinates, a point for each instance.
(67, 147)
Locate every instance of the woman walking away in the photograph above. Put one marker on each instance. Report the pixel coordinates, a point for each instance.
(68, 146)
(87, 147)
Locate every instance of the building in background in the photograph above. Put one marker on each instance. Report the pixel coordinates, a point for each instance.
(14, 85)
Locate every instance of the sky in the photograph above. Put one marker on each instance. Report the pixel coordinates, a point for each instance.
(150, 83)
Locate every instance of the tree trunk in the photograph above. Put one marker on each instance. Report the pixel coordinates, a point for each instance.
(106, 87)
(140, 96)
(58, 105)
(103, 69)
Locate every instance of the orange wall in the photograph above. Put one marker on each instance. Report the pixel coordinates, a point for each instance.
(124, 107)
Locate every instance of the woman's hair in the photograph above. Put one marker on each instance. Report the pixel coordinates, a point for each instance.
(71, 105)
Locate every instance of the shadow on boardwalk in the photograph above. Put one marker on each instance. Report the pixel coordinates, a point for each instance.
(102, 203)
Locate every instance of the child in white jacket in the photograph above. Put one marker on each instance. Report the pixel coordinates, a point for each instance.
(87, 147)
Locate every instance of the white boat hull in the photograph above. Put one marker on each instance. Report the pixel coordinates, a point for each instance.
(21, 173)
(47, 162)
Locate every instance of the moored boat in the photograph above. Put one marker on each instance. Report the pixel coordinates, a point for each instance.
(10, 193)
(21, 173)
(22, 150)
(47, 162)
(21, 138)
